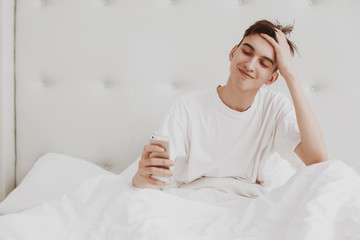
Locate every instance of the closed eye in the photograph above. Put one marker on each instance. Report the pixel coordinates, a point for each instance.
(246, 53)
(264, 65)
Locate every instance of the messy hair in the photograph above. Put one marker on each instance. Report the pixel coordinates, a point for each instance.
(268, 27)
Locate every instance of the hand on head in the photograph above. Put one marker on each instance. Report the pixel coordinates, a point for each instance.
(282, 51)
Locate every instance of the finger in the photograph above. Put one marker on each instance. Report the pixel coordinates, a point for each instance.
(148, 149)
(155, 182)
(157, 171)
(158, 162)
(278, 31)
(280, 36)
(162, 162)
(269, 39)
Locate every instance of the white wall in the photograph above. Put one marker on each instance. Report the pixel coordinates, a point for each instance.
(7, 123)
(94, 80)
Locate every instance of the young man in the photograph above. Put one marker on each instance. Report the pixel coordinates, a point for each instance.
(227, 132)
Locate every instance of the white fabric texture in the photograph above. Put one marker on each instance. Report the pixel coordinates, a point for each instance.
(55, 174)
(210, 139)
(321, 201)
(226, 185)
(52, 175)
(275, 172)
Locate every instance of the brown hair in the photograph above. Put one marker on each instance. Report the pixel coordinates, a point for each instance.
(267, 27)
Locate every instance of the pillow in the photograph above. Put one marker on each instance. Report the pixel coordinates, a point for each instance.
(52, 175)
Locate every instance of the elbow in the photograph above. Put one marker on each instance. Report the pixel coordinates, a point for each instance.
(322, 156)
(317, 158)
(312, 156)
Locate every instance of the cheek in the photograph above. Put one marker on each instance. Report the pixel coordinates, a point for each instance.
(264, 74)
(242, 58)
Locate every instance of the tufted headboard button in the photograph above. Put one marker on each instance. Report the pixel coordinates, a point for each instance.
(311, 2)
(44, 83)
(313, 89)
(240, 2)
(43, 2)
(107, 84)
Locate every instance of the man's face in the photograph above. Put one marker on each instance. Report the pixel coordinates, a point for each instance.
(252, 64)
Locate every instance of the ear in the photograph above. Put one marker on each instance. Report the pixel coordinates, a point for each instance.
(231, 55)
(273, 78)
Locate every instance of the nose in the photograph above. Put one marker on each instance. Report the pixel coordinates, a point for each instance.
(250, 64)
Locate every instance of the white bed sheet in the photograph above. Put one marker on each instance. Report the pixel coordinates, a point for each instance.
(321, 201)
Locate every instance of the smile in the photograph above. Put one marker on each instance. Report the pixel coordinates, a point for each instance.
(245, 74)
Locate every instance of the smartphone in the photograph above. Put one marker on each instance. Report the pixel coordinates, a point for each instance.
(163, 142)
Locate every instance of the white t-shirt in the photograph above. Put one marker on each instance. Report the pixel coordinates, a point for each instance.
(209, 139)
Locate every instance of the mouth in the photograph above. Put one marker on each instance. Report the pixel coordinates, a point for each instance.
(246, 75)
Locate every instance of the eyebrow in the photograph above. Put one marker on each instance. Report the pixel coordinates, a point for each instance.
(252, 48)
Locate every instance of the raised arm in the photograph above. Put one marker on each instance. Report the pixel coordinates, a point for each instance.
(312, 148)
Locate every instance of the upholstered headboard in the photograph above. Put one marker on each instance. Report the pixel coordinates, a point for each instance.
(93, 78)
(7, 103)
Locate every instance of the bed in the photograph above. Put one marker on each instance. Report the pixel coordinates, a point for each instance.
(63, 197)
(85, 83)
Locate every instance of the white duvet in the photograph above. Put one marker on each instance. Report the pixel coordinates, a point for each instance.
(321, 201)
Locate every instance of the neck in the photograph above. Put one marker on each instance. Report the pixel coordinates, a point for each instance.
(238, 101)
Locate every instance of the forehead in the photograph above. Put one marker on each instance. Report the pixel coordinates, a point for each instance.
(261, 46)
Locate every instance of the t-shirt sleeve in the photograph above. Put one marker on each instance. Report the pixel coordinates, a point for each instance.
(286, 133)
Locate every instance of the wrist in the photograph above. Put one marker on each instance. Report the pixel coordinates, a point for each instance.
(135, 180)
(290, 77)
